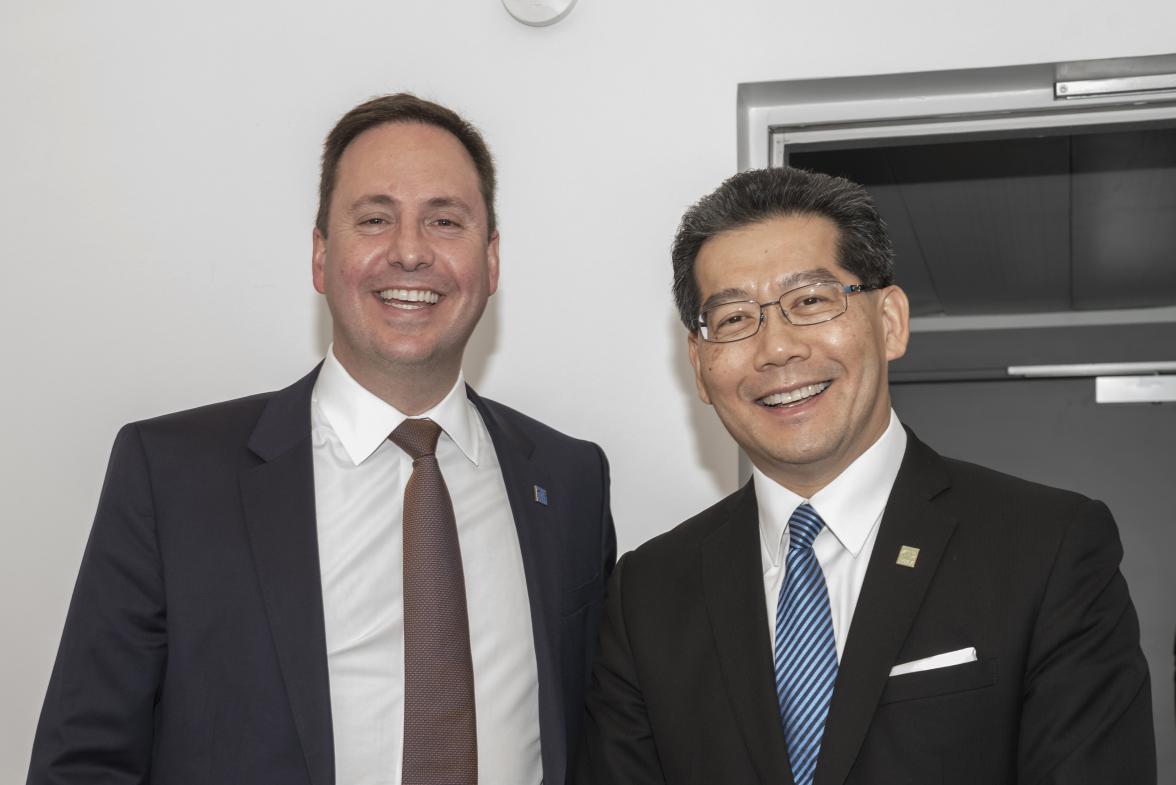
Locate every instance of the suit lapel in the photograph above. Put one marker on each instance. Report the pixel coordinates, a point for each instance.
(539, 544)
(279, 505)
(733, 589)
(889, 600)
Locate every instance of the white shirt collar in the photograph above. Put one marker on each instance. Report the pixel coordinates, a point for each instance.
(363, 421)
(850, 505)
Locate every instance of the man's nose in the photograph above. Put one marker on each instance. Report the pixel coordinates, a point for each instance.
(409, 247)
(778, 341)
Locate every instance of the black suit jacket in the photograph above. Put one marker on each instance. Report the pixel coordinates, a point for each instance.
(194, 649)
(683, 688)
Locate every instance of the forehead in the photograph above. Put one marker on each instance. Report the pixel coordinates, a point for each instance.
(406, 156)
(766, 254)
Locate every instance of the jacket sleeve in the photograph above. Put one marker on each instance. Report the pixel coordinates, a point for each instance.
(97, 721)
(618, 746)
(1087, 715)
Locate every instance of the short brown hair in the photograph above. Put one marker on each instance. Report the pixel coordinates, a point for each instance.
(403, 108)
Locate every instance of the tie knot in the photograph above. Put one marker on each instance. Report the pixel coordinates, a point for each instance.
(803, 527)
(417, 437)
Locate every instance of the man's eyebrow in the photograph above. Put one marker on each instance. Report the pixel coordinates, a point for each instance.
(449, 201)
(384, 200)
(806, 277)
(725, 296)
(372, 200)
(785, 284)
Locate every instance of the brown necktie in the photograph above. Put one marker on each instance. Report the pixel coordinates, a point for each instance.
(440, 735)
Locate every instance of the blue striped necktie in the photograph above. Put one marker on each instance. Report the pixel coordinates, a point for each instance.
(806, 653)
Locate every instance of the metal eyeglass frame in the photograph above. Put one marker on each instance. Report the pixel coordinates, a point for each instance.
(846, 290)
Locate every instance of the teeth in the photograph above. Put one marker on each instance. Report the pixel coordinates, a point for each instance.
(410, 295)
(779, 399)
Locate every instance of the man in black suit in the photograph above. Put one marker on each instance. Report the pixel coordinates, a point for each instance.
(240, 613)
(863, 610)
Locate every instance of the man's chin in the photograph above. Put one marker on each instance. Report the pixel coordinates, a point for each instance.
(796, 459)
(402, 355)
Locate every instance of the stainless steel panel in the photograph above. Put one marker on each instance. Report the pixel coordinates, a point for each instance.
(1135, 389)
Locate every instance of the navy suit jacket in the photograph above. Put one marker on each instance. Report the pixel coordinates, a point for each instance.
(684, 689)
(194, 649)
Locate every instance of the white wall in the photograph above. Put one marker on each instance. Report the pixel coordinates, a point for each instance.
(158, 167)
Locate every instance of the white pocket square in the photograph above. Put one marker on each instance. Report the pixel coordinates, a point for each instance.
(945, 660)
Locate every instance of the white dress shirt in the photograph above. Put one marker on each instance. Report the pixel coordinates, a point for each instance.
(359, 480)
(851, 507)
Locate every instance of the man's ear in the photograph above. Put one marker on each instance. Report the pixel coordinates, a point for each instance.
(693, 346)
(318, 261)
(896, 321)
(492, 261)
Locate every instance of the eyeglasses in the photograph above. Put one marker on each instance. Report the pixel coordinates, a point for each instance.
(813, 304)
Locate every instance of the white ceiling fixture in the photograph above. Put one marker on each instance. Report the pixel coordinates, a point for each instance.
(539, 13)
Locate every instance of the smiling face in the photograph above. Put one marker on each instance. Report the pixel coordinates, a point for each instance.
(407, 264)
(803, 402)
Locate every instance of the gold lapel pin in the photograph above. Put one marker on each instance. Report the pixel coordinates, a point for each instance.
(907, 556)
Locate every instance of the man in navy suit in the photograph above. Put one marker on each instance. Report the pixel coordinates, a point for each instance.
(862, 611)
(238, 616)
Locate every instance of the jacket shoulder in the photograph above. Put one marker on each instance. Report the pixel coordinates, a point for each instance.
(689, 535)
(970, 487)
(975, 481)
(540, 434)
(207, 423)
(279, 418)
